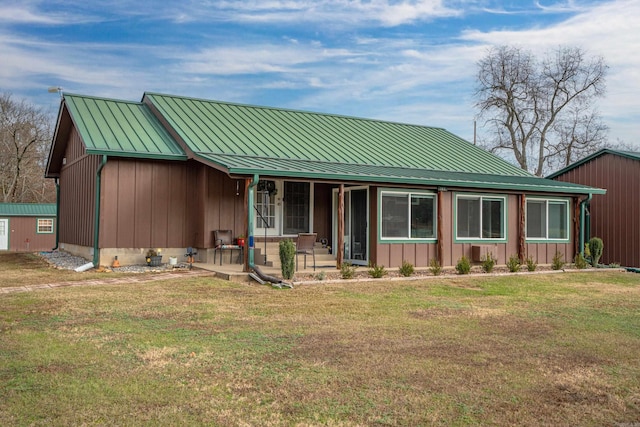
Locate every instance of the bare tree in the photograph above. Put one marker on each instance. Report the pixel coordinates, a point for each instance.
(541, 112)
(25, 134)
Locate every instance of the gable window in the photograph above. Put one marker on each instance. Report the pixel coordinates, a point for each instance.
(480, 217)
(547, 219)
(407, 215)
(45, 226)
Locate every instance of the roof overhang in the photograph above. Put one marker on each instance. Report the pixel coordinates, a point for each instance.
(318, 170)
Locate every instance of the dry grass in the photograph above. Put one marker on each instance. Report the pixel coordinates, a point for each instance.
(20, 269)
(517, 350)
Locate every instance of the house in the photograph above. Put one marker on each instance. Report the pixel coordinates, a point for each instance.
(27, 227)
(614, 216)
(168, 171)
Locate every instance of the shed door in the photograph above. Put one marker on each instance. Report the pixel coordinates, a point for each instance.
(4, 234)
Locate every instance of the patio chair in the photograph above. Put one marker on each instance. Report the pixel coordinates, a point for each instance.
(223, 241)
(305, 245)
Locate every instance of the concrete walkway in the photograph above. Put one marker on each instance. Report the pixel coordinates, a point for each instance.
(115, 281)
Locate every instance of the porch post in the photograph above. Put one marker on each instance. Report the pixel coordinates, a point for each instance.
(440, 244)
(245, 250)
(521, 230)
(340, 243)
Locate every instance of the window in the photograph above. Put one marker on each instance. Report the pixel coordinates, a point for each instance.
(407, 215)
(45, 226)
(547, 219)
(480, 217)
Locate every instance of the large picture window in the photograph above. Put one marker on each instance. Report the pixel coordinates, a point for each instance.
(547, 219)
(407, 215)
(480, 217)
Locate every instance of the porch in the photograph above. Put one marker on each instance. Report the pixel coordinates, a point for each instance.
(267, 257)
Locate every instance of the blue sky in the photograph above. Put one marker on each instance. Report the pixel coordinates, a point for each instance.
(410, 61)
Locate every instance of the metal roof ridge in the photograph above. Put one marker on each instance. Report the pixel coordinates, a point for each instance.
(292, 110)
(101, 98)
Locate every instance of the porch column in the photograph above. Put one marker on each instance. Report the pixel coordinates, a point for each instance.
(340, 243)
(521, 228)
(440, 244)
(245, 251)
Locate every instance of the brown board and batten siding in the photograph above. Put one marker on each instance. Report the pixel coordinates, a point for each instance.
(144, 204)
(77, 202)
(420, 254)
(614, 216)
(23, 235)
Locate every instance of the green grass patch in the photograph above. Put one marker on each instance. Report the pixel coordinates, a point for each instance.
(554, 349)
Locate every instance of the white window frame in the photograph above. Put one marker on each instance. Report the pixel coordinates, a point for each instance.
(547, 201)
(409, 194)
(481, 198)
(39, 226)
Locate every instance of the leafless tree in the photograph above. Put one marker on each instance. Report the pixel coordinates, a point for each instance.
(25, 135)
(541, 111)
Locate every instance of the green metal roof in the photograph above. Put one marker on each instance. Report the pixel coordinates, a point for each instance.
(121, 128)
(628, 154)
(27, 209)
(214, 128)
(246, 139)
(388, 174)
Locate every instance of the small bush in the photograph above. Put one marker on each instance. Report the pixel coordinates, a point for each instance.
(514, 264)
(488, 263)
(377, 271)
(614, 265)
(347, 270)
(558, 261)
(287, 251)
(595, 248)
(406, 269)
(321, 276)
(463, 266)
(580, 262)
(531, 264)
(435, 267)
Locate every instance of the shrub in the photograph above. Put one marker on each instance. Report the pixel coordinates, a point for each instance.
(595, 247)
(580, 262)
(531, 264)
(287, 258)
(435, 267)
(347, 270)
(406, 269)
(463, 266)
(558, 261)
(488, 263)
(321, 276)
(514, 264)
(377, 271)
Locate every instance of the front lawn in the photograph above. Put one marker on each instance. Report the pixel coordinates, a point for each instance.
(557, 349)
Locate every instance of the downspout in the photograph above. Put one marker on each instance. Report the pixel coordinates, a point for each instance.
(96, 217)
(582, 219)
(57, 182)
(250, 219)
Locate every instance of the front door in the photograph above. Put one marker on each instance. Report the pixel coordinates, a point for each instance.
(4, 234)
(356, 224)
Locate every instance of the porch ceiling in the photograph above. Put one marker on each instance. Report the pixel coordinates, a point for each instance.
(310, 169)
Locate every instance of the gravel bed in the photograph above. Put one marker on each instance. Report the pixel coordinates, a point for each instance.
(66, 261)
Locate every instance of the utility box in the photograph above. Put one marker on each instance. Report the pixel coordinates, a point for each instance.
(479, 252)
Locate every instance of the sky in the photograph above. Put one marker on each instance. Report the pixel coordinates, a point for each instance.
(409, 61)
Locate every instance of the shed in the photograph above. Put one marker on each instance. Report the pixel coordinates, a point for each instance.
(612, 216)
(27, 226)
